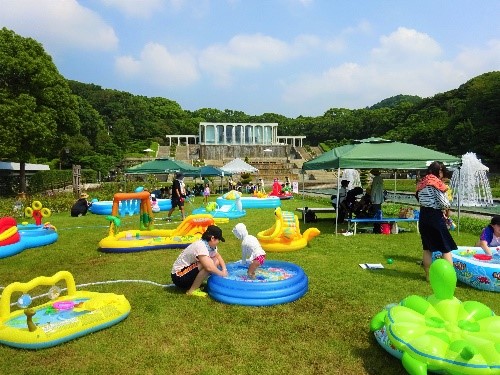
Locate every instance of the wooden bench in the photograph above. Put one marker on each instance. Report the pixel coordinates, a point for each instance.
(388, 220)
(315, 210)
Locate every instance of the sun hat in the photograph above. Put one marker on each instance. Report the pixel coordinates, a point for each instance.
(84, 195)
(215, 231)
(495, 220)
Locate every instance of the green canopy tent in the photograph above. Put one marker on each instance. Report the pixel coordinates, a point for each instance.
(160, 166)
(378, 153)
(209, 171)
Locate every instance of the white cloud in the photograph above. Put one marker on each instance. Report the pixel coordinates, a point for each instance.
(481, 60)
(407, 45)
(58, 24)
(139, 8)
(244, 52)
(405, 62)
(158, 66)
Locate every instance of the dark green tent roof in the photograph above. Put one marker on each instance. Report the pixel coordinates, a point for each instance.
(159, 166)
(379, 153)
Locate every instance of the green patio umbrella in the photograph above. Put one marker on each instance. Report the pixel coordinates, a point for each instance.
(160, 166)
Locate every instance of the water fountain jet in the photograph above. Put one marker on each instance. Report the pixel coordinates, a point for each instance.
(472, 182)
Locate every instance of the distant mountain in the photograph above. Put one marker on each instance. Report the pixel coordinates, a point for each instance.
(395, 101)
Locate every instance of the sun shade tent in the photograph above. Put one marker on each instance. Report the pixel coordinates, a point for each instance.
(238, 166)
(378, 153)
(161, 166)
(211, 171)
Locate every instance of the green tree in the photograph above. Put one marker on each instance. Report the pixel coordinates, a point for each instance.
(37, 108)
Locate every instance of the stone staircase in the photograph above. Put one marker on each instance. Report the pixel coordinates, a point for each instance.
(163, 152)
(269, 167)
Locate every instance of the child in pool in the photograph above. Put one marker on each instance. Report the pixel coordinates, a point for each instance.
(490, 236)
(251, 248)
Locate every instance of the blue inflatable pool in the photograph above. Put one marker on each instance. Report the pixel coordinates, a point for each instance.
(276, 282)
(477, 269)
(31, 236)
(228, 211)
(128, 207)
(252, 202)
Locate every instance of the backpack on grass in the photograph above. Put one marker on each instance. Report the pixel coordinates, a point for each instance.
(310, 216)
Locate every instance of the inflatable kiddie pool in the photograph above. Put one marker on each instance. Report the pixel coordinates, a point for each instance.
(275, 282)
(476, 268)
(126, 207)
(187, 232)
(229, 211)
(16, 238)
(62, 319)
(248, 202)
(146, 237)
(440, 333)
(285, 234)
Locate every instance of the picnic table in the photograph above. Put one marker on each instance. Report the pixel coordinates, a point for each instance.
(389, 220)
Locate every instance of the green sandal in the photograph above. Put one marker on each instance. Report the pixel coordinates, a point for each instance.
(198, 293)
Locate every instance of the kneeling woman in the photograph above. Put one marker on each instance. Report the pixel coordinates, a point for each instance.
(198, 261)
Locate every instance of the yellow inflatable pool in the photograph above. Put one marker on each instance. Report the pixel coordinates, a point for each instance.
(285, 234)
(189, 231)
(60, 320)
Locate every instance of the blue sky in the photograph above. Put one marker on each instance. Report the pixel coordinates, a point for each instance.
(291, 57)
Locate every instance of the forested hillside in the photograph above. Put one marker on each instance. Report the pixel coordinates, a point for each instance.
(46, 118)
(457, 121)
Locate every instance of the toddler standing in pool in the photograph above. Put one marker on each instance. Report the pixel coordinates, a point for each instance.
(251, 248)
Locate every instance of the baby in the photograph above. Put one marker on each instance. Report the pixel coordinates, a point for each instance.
(250, 247)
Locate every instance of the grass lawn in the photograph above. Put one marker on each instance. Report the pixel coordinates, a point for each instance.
(324, 332)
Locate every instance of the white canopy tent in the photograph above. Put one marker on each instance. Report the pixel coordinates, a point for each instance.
(238, 166)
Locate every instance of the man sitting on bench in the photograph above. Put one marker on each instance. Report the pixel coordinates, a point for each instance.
(347, 205)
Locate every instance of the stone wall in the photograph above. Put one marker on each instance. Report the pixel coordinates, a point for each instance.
(222, 152)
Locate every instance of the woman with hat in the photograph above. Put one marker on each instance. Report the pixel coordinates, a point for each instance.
(490, 236)
(81, 206)
(198, 261)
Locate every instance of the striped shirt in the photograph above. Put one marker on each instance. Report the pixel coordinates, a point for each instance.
(431, 197)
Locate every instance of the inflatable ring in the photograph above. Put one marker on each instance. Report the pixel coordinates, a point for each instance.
(276, 282)
(28, 211)
(37, 205)
(440, 333)
(46, 212)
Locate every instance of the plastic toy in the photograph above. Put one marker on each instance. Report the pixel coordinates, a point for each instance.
(148, 238)
(285, 234)
(230, 211)
(440, 333)
(276, 282)
(62, 319)
(37, 211)
(279, 192)
(16, 238)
